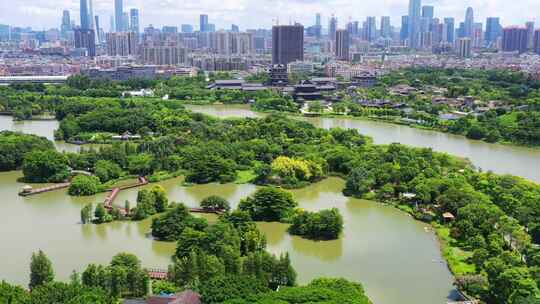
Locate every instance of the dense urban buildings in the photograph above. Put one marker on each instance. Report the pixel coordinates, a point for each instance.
(421, 33)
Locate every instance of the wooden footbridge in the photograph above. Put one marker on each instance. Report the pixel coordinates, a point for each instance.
(28, 190)
(113, 193)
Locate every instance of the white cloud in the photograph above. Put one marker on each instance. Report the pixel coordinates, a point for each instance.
(260, 13)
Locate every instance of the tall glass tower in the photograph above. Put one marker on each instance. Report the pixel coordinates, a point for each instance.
(415, 7)
(85, 22)
(119, 15)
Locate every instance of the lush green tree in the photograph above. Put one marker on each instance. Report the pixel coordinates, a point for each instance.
(222, 288)
(161, 201)
(13, 294)
(170, 225)
(163, 287)
(322, 225)
(45, 166)
(205, 168)
(14, 146)
(215, 203)
(101, 215)
(269, 204)
(41, 271)
(86, 214)
(359, 182)
(142, 164)
(84, 185)
(107, 170)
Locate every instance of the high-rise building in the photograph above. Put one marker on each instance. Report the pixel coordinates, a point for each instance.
(169, 29)
(449, 30)
(5, 32)
(478, 35)
(426, 40)
(464, 47)
(469, 23)
(352, 28)
(414, 23)
(370, 29)
(134, 20)
(125, 20)
(122, 44)
(530, 34)
(168, 54)
(536, 45)
(493, 30)
(98, 29)
(203, 23)
(332, 28)
(287, 43)
(386, 28)
(235, 28)
(514, 39)
(112, 24)
(91, 15)
(187, 28)
(85, 39)
(85, 23)
(119, 15)
(342, 45)
(65, 27)
(404, 32)
(318, 26)
(428, 11)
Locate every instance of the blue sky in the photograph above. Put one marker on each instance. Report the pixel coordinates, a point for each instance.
(44, 14)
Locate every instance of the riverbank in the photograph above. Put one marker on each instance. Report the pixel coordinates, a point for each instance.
(503, 159)
(373, 234)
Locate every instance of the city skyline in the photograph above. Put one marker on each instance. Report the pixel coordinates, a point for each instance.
(250, 14)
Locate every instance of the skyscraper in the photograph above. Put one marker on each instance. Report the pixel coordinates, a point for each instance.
(449, 30)
(536, 46)
(428, 11)
(414, 22)
(119, 15)
(125, 22)
(464, 47)
(134, 18)
(203, 23)
(122, 44)
(493, 30)
(318, 26)
(287, 43)
(85, 23)
(342, 45)
(91, 15)
(187, 28)
(332, 28)
(530, 34)
(370, 30)
(66, 23)
(386, 30)
(98, 29)
(404, 33)
(86, 39)
(469, 23)
(514, 39)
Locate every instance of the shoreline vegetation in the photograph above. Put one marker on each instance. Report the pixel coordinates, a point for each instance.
(490, 221)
